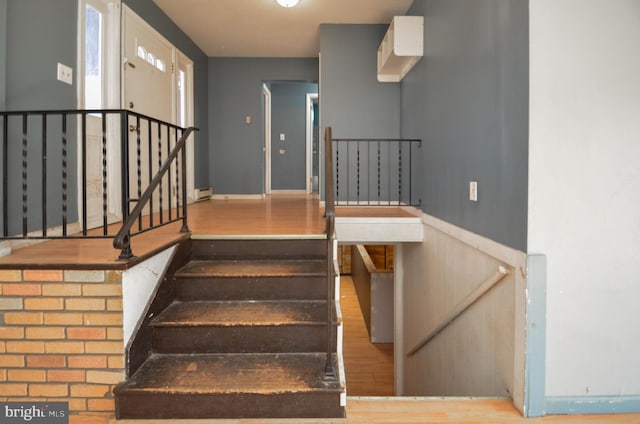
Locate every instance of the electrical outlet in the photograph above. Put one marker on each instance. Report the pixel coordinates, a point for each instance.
(473, 191)
(65, 74)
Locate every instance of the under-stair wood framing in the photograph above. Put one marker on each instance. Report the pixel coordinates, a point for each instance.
(244, 336)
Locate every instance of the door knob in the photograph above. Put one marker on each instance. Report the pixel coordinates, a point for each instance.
(130, 105)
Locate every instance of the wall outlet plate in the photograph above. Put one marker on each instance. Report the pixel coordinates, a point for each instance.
(473, 191)
(65, 74)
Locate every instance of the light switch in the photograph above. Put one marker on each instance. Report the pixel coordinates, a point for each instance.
(247, 119)
(282, 137)
(282, 151)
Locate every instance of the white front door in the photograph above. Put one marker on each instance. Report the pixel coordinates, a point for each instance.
(149, 68)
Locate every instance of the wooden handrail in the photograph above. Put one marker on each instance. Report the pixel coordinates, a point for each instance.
(122, 238)
(472, 298)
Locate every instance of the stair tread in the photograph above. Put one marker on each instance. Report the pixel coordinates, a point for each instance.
(254, 268)
(265, 373)
(238, 313)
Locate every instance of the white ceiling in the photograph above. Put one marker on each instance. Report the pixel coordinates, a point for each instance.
(262, 28)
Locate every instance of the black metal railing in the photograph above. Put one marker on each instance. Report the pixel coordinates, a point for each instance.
(61, 168)
(330, 214)
(376, 172)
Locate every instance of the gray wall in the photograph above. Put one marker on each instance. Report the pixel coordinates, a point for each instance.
(236, 154)
(165, 26)
(39, 34)
(3, 51)
(289, 116)
(352, 101)
(468, 100)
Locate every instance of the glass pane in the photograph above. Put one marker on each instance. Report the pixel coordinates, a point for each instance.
(142, 53)
(160, 65)
(93, 59)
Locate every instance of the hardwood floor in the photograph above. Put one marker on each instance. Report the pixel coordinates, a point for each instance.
(368, 366)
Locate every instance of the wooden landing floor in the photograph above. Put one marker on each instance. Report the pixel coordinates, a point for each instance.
(423, 410)
(274, 215)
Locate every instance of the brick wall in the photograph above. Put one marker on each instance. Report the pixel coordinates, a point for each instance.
(61, 339)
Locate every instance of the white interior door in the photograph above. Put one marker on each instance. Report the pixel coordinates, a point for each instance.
(149, 89)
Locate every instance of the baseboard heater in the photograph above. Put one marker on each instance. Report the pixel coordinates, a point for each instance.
(203, 194)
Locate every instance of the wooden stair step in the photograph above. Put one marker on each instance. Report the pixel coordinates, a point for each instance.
(242, 313)
(241, 327)
(254, 268)
(230, 386)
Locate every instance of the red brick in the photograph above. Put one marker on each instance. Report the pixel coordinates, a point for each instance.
(25, 347)
(104, 347)
(10, 275)
(102, 319)
(26, 375)
(13, 389)
(29, 318)
(85, 304)
(45, 333)
(44, 303)
(21, 289)
(87, 361)
(115, 333)
(48, 390)
(46, 361)
(116, 362)
(42, 275)
(90, 390)
(11, 361)
(12, 333)
(67, 376)
(63, 318)
(64, 347)
(63, 289)
(86, 333)
(91, 419)
(101, 405)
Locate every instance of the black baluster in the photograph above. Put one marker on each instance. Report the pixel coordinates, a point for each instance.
(357, 172)
(150, 142)
(185, 228)
(161, 179)
(399, 173)
(25, 145)
(379, 175)
(64, 175)
(177, 162)
(5, 175)
(169, 174)
(44, 175)
(84, 173)
(105, 222)
(139, 167)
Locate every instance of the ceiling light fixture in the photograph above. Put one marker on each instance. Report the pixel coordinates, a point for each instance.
(287, 3)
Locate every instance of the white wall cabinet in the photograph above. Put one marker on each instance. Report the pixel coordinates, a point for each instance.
(401, 48)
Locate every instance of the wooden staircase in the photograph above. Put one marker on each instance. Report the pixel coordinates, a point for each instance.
(243, 336)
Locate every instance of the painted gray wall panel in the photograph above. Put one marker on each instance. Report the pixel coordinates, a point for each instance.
(352, 101)
(31, 61)
(155, 17)
(288, 116)
(3, 51)
(236, 155)
(468, 100)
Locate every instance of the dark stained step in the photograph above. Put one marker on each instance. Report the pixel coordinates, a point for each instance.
(246, 280)
(241, 326)
(231, 386)
(281, 248)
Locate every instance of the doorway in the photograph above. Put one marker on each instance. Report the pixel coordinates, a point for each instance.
(288, 136)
